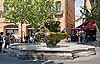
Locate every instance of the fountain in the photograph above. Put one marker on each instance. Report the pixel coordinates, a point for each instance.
(42, 52)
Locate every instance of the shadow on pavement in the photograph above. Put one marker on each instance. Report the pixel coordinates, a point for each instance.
(93, 43)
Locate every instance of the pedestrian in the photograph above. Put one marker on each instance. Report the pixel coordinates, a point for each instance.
(87, 38)
(27, 39)
(1, 41)
(7, 40)
(79, 36)
(12, 38)
(83, 36)
(69, 38)
(30, 39)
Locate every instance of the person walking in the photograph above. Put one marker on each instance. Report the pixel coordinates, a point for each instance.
(83, 36)
(27, 39)
(7, 40)
(1, 41)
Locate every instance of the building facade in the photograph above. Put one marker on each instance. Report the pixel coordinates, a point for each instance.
(65, 13)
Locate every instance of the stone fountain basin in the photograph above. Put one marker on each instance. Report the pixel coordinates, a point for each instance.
(25, 51)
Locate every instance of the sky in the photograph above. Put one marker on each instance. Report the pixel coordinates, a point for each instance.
(78, 4)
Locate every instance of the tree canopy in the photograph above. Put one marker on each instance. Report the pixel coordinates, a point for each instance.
(95, 13)
(34, 12)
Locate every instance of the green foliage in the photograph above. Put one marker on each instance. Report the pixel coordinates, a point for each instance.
(95, 13)
(40, 37)
(55, 37)
(98, 24)
(53, 26)
(88, 16)
(34, 12)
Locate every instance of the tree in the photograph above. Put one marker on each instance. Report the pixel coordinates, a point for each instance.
(95, 13)
(34, 12)
(53, 26)
(42, 10)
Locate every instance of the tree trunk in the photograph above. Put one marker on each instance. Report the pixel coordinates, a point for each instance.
(98, 32)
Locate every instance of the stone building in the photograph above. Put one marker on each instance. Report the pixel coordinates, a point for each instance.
(65, 14)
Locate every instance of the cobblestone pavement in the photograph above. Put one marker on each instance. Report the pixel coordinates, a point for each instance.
(5, 59)
(95, 59)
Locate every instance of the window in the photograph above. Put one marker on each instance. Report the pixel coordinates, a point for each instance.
(58, 6)
(5, 10)
(14, 31)
(48, 6)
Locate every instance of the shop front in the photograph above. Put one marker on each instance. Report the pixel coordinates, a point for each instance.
(90, 29)
(12, 29)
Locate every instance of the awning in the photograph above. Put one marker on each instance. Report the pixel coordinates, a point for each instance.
(91, 25)
(88, 25)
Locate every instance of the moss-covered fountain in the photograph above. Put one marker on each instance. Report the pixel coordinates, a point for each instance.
(46, 46)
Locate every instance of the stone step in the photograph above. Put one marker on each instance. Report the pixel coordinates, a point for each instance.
(56, 56)
(85, 53)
